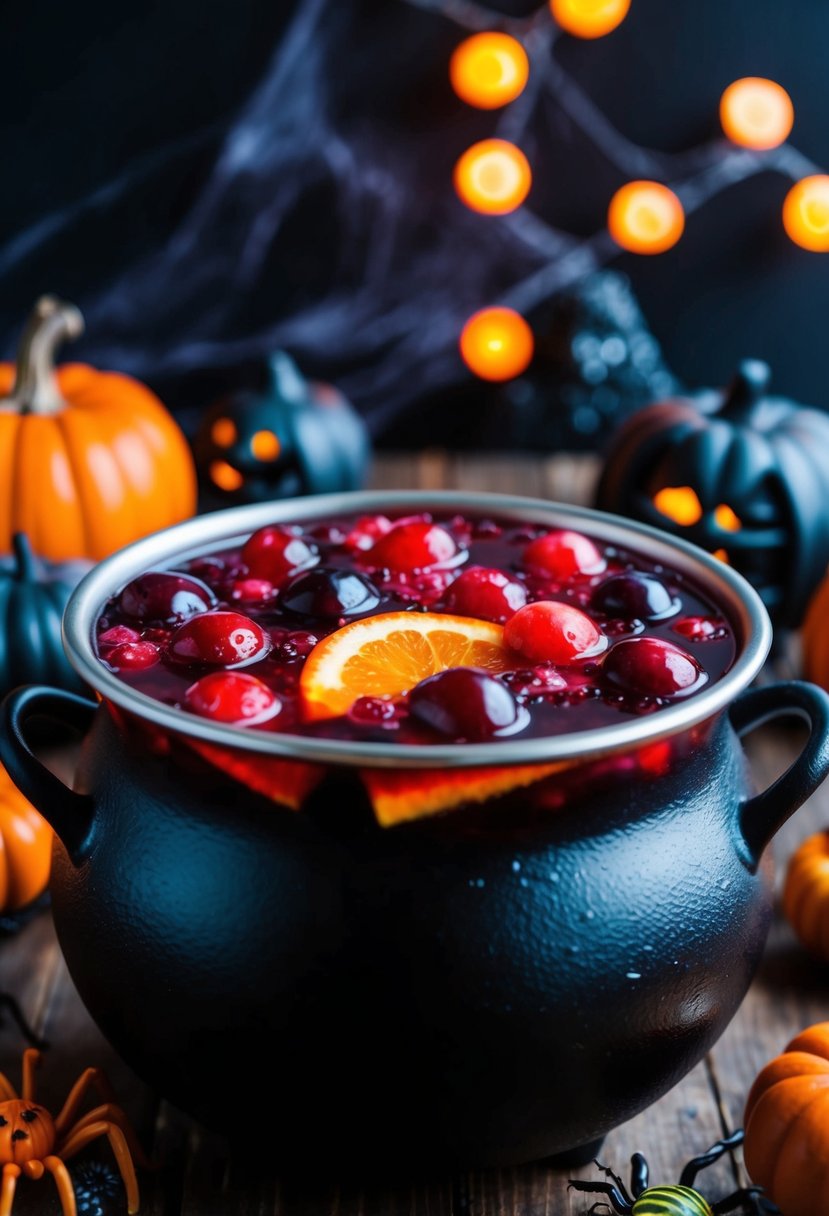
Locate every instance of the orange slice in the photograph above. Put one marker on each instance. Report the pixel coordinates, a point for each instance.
(288, 782)
(388, 654)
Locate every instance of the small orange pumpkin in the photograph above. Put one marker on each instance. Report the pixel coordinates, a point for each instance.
(25, 848)
(786, 1146)
(89, 460)
(814, 636)
(806, 894)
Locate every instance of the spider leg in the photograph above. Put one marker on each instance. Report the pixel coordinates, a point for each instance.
(760, 1204)
(11, 1173)
(714, 1153)
(620, 1203)
(7, 1001)
(64, 1184)
(89, 1077)
(118, 1143)
(639, 1175)
(31, 1061)
(616, 1180)
(113, 1114)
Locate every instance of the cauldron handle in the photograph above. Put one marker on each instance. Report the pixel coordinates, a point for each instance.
(764, 814)
(69, 813)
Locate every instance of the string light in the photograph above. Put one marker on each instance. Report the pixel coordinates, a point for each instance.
(489, 70)
(497, 344)
(493, 177)
(756, 113)
(645, 217)
(589, 18)
(806, 213)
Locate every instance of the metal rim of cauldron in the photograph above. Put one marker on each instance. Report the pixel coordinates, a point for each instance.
(732, 594)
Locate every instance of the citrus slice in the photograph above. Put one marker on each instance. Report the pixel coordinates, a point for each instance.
(401, 795)
(388, 654)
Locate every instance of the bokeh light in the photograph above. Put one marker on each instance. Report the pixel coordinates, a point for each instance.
(589, 18)
(756, 113)
(493, 177)
(489, 70)
(645, 217)
(806, 213)
(497, 344)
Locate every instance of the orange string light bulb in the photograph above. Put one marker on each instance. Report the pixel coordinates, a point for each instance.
(489, 70)
(497, 344)
(645, 217)
(493, 177)
(806, 213)
(756, 113)
(589, 18)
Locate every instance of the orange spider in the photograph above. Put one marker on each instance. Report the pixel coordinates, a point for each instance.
(32, 1142)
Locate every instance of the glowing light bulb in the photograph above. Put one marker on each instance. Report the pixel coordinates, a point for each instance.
(756, 113)
(489, 70)
(806, 213)
(493, 177)
(497, 344)
(589, 18)
(645, 217)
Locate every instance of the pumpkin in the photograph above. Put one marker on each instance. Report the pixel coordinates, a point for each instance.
(742, 474)
(89, 460)
(290, 437)
(815, 636)
(32, 599)
(786, 1147)
(25, 848)
(806, 894)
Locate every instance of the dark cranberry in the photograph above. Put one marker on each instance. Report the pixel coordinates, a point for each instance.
(634, 595)
(553, 632)
(651, 667)
(222, 639)
(297, 644)
(274, 552)
(233, 697)
(328, 593)
(165, 598)
(413, 545)
(133, 656)
(543, 681)
(466, 705)
(563, 554)
(486, 593)
(377, 711)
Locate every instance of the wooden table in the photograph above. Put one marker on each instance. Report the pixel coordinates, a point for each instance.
(197, 1178)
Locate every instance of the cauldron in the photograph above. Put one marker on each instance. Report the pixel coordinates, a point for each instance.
(500, 983)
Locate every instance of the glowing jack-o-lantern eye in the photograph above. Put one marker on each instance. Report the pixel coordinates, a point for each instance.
(726, 518)
(225, 476)
(223, 432)
(679, 503)
(265, 445)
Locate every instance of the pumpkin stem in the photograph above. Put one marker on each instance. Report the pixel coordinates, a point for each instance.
(749, 386)
(35, 387)
(25, 568)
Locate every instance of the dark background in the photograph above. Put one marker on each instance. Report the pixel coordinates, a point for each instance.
(212, 181)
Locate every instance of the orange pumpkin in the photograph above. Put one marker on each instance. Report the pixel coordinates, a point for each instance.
(89, 460)
(786, 1146)
(806, 894)
(815, 636)
(25, 848)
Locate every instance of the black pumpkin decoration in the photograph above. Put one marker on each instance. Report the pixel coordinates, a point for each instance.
(742, 474)
(295, 437)
(33, 595)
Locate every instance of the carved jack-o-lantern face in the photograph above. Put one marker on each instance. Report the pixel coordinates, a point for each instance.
(243, 452)
(27, 1132)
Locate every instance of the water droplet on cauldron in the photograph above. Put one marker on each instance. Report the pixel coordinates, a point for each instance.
(633, 975)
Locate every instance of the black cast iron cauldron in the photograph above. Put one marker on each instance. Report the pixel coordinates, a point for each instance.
(491, 986)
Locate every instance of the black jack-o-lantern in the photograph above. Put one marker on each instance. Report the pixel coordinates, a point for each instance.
(294, 437)
(742, 474)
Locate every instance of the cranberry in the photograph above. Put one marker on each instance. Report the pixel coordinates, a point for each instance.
(701, 628)
(486, 593)
(367, 530)
(651, 667)
(134, 656)
(543, 681)
(634, 595)
(117, 635)
(328, 593)
(296, 644)
(233, 697)
(467, 705)
(165, 597)
(563, 554)
(377, 711)
(252, 591)
(413, 545)
(554, 632)
(223, 639)
(274, 552)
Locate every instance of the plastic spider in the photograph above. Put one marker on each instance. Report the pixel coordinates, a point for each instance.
(32, 1142)
(672, 1200)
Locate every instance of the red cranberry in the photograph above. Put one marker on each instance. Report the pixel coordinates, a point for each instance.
(233, 697)
(274, 552)
(134, 656)
(367, 530)
(328, 593)
(252, 591)
(542, 681)
(553, 632)
(165, 597)
(222, 639)
(296, 645)
(651, 667)
(377, 711)
(466, 705)
(701, 628)
(634, 595)
(563, 554)
(117, 635)
(413, 545)
(486, 593)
